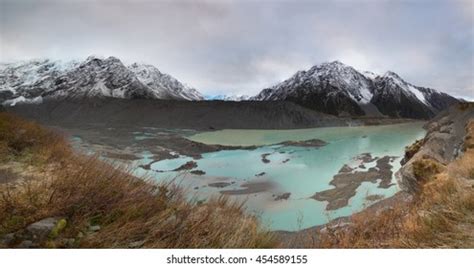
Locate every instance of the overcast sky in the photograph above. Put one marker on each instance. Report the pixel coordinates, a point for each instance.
(240, 47)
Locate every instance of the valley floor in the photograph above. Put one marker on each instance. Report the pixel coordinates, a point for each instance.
(53, 197)
(197, 115)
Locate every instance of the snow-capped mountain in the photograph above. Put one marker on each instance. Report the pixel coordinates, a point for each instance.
(32, 81)
(336, 88)
(163, 85)
(230, 97)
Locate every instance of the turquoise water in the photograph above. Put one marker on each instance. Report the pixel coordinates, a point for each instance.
(298, 170)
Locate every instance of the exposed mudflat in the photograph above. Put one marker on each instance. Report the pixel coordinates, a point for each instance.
(251, 188)
(347, 181)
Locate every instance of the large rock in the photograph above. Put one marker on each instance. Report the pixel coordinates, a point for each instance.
(35, 235)
(443, 142)
(41, 229)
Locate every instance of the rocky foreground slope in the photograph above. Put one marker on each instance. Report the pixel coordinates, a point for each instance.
(443, 143)
(339, 89)
(36, 80)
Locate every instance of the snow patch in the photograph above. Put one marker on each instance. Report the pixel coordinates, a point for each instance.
(365, 94)
(369, 75)
(22, 99)
(419, 95)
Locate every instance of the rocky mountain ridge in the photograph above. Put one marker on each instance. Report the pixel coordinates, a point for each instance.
(31, 81)
(339, 89)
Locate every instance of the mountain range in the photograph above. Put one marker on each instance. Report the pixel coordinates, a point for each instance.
(32, 81)
(332, 87)
(229, 97)
(339, 89)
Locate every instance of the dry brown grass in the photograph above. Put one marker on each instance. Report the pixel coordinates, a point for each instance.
(426, 169)
(441, 216)
(20, 138)
(86, 191)
(412, 149)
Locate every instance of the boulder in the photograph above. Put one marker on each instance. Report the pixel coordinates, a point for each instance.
(26, 244)
(94, 228)
(41, 229)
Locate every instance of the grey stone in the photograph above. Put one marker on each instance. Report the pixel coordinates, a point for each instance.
(136, 244)
(25, 244)
(446, 129)
(80, 235)
(171, 220)
(94, 228)
(9, 236)
(68, 242)
(41, 229)
(7, 239)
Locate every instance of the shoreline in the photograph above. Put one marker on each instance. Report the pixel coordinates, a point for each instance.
(297, 239)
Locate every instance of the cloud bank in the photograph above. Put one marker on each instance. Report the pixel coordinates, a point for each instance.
(240, 47)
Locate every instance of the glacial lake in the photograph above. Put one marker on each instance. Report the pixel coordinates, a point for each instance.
(277, 181)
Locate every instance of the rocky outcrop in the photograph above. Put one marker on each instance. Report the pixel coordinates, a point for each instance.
(38, 234)
(442, 144)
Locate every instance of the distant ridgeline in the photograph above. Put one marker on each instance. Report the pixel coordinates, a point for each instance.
(331, 88)
(338, 89)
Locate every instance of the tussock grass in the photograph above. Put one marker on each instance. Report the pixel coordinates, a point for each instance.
(28, 141)
(425, 169)
(441, 216)
(86, 191)
(412, 149)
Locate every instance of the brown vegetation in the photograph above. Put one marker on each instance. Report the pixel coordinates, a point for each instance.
(85, 192)
(412, 149)
(425, 169)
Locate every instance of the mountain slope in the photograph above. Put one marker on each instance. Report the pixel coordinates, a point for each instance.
(95, 77)
(338, 89)
(163, 85)
(201, 115)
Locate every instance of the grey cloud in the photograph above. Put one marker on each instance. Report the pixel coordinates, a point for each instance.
(240, 47)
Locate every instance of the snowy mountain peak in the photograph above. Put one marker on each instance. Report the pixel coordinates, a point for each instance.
(165, 86)
(326, 78)
(369, 75)
(337, 88)
(335, 63)
(331, 67)
(393, 75)
(93, 77)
